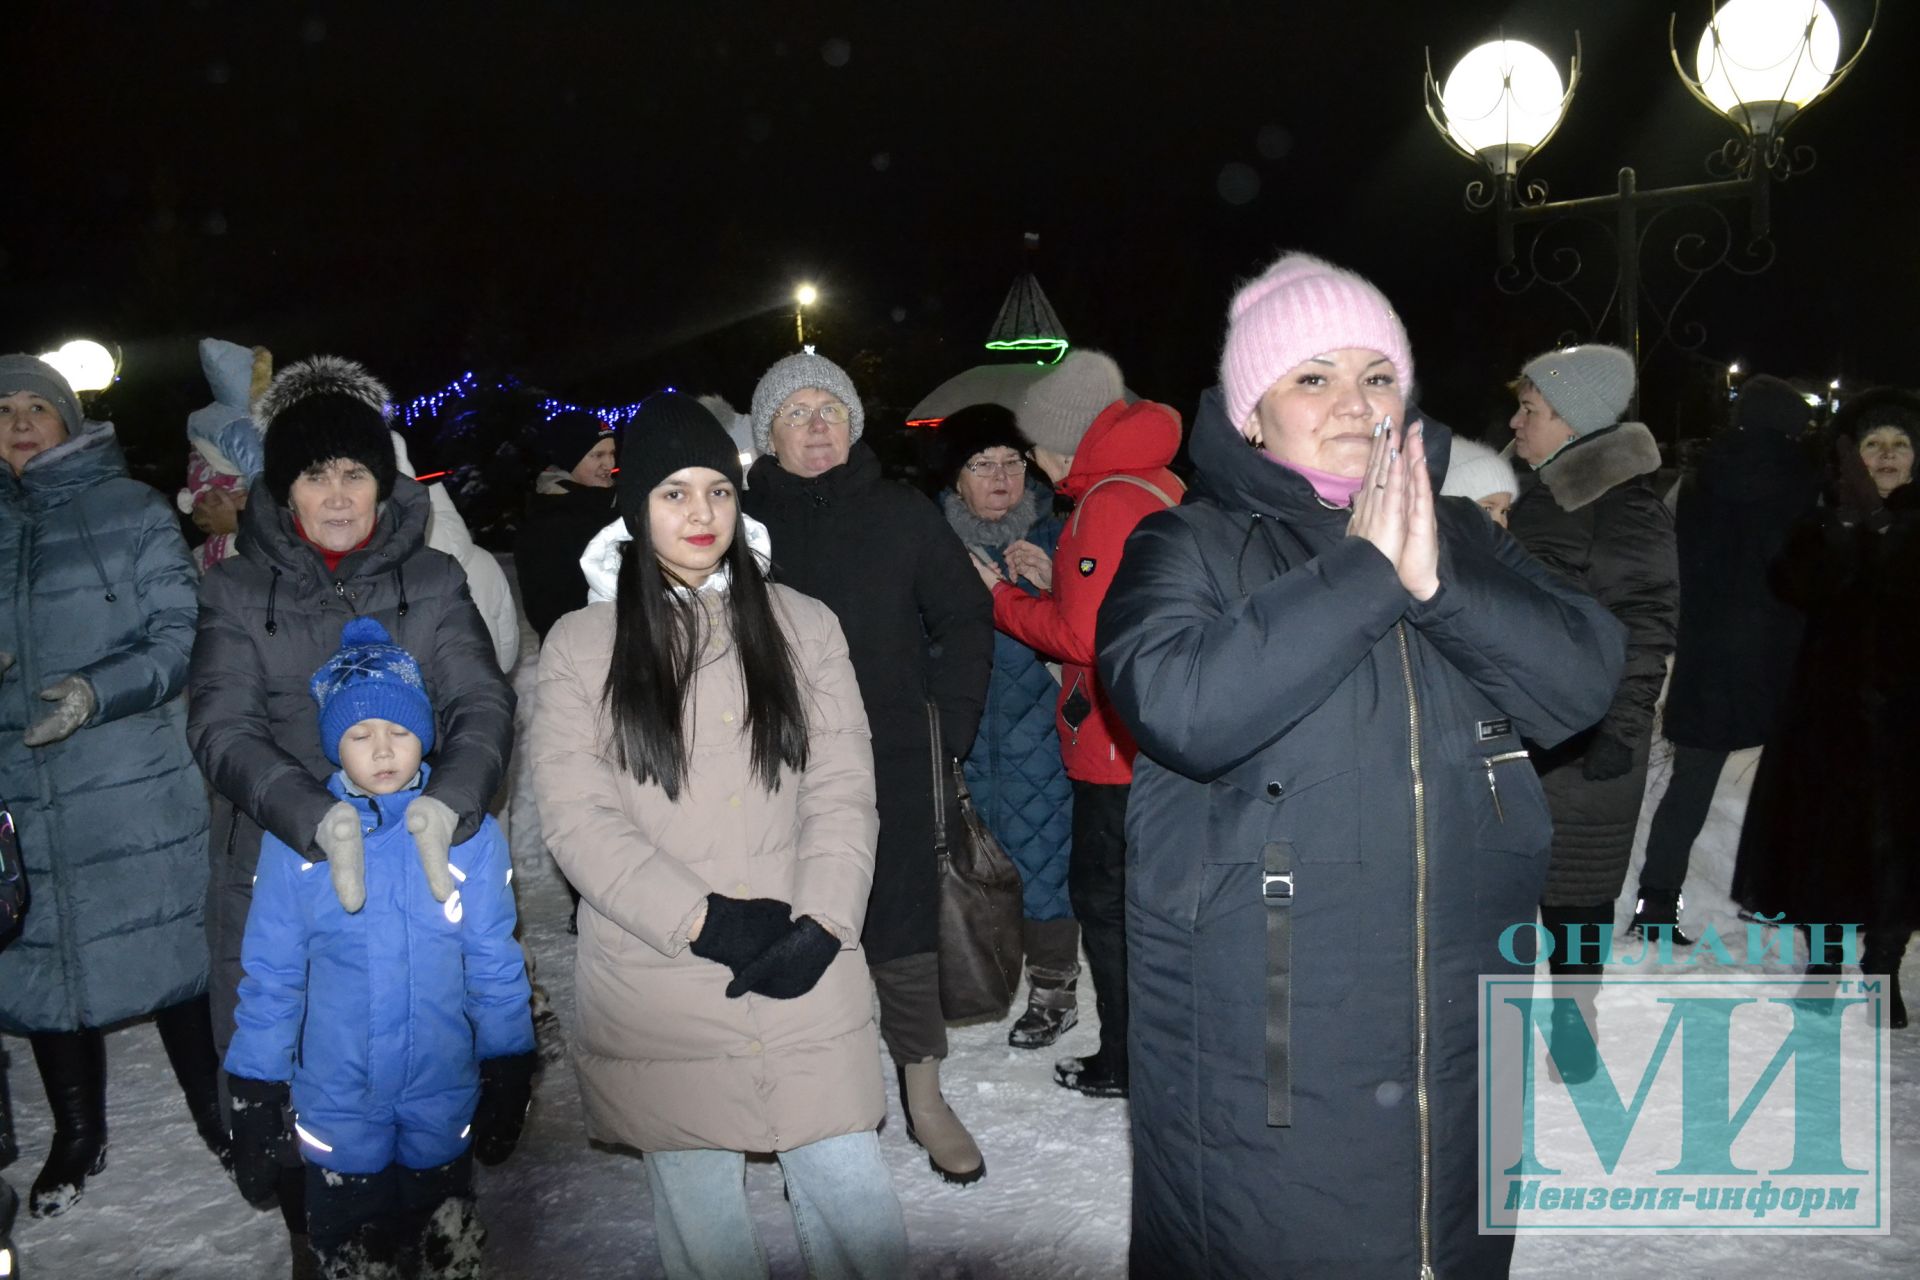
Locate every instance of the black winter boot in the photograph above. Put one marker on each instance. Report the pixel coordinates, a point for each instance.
(1052, 1011)
(1883, 953)
(9, 1144)
(73, 1067)
(1658, 910)
(186, 1032)
(1104, 1075)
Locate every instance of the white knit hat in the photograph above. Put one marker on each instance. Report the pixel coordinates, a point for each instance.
(1477, 472)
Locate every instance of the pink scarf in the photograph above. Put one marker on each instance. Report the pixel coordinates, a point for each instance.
(1335, 491)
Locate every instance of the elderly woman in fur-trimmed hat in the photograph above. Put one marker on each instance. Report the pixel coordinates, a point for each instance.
(1588, 509)
(1328, 672)
(332, 531)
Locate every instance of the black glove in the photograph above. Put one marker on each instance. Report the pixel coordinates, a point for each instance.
(506, 1091)
(791, 966)
(262, 1136)
(738, 930)
(1607, 758)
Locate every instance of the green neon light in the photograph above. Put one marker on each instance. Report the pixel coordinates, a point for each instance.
(1058, 346)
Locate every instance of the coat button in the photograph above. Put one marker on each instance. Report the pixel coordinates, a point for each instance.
(753, 1046)
(742, 889)
(726, 717)
(1274, 789)
(733, 802)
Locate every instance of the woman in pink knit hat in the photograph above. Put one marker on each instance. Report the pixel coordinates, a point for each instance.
(1328, 671)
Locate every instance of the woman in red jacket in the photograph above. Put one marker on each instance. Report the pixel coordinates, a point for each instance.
(1110, 457)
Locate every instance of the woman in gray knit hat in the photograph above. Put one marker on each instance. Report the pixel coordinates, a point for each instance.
(920, 629)
(1588, 509)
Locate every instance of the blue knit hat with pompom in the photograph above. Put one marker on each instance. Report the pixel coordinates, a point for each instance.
(370, 678)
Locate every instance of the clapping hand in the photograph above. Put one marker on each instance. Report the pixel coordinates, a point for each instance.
(1393, 508)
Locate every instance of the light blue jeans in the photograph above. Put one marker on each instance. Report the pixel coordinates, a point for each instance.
(844, 1211)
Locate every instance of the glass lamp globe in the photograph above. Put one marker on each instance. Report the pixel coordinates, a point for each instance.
(806, 295)
(86, 365)
(1771, 58)
(1502, 100)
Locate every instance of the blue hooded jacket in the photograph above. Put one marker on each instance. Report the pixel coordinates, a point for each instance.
(381, 1018)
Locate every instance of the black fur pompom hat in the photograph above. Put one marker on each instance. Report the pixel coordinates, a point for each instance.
(320, 409)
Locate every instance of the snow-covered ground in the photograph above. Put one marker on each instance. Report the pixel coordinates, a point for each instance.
(1053, 1204)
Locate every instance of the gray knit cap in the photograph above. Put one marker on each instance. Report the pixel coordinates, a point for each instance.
(797, 373)
(1060, 407)
(1589, 386)
(35, 376)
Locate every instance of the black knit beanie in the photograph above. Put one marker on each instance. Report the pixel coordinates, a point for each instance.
(319, 410)
(567, 437)
(669, 432)
(974, 429)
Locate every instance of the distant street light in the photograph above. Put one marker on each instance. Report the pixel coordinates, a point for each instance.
(1759, 64)
(803, 297)
(85, 364)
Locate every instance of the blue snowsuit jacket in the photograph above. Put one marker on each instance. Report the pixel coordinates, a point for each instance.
(381, 1018)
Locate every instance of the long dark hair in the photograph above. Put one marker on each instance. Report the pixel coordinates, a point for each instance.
(656, 646)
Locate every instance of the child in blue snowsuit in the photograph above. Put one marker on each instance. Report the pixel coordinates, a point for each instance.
(400, 1022)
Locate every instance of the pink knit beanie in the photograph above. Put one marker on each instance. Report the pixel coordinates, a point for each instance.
(1298, 308)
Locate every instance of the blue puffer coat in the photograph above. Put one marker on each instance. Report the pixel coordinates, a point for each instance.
(381, 1018)
(113, 821)
(1014, 771)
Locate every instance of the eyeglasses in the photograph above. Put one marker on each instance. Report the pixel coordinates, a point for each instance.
(833, 413)
(984, 467)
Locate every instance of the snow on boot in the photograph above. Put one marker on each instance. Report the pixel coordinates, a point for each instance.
(454, 1239)
(1656, 910)
(932, 1126)
(73, 1067)
(1099, 1076)
(351, 1259)
(1051, 1013)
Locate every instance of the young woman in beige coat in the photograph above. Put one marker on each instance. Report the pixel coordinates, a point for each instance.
(705, 776)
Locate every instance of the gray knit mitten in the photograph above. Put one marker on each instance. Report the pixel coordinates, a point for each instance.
(339, 838)
(74, 705)
(432, 824)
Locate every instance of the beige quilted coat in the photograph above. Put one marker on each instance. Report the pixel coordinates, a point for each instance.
(666, 1061)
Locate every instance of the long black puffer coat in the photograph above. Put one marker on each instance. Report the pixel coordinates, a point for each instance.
(1592, 516)
(1829, 834)
(1286, 691)
(1737, 637)
(919, 626)
(269, 617)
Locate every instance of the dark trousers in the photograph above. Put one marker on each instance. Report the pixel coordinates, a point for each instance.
(383, 1213)
(1097, 887)
(1597, 918)
(1677, 822)
(911, 1024)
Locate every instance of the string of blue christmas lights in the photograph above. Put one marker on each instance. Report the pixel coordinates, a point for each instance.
(430, 404)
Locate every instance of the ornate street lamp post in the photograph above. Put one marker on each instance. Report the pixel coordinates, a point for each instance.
(1759, 64)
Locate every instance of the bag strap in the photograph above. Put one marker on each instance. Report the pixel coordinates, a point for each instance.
(1142, 482)
(1276, 890)
(939, 781)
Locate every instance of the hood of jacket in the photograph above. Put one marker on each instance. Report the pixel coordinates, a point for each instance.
(1241, 477)
(399, 530)
(55, 475)
(1749, 466)
(1590, 465)
(600, 562)
(770, 482)
(1137, 437)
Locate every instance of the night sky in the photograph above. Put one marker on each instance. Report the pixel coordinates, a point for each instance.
(607, 198)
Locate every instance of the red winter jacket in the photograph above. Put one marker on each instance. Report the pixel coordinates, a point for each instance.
(1136, 440)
